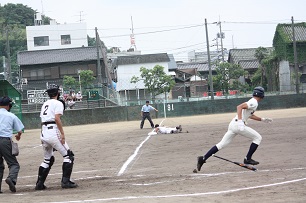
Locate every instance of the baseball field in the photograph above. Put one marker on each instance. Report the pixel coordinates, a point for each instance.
(118, 162)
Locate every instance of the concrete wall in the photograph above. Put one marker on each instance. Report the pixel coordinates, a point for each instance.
(129, 113)
(284, 77)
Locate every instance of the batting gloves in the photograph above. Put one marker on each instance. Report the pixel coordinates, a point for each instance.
(241, 125)
(266, 120)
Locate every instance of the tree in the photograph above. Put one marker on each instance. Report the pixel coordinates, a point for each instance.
(13, 21)
(269, 69)
(271, 62)
(261, 53)
(256, 78)
(155, 80)
(225, 73)
(91, 41)
(69, 82)
(87, 78)
(16, 14)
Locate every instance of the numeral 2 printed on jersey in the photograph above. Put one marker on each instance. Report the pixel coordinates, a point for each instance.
(46, 109)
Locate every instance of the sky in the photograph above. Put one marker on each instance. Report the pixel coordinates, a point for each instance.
(175, 26)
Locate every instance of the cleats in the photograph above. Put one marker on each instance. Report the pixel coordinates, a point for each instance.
(69, 184)
(250, 161)
(200, 162)
(40, 186)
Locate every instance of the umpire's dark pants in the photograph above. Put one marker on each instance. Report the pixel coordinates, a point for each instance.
(6, 153)
(146, 115)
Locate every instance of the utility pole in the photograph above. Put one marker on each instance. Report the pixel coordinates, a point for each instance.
(98, 57)
(4, 67)
(209, 64)
(296, 67)
(8, 51)
(221, 36)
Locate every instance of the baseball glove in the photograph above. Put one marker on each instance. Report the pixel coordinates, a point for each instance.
(64, 104)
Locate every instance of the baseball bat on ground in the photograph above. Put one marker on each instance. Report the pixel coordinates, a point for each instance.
(237, 163)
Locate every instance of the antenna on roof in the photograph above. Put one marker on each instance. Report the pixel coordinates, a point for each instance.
(132, 37)
(81, 16)
(42, 7)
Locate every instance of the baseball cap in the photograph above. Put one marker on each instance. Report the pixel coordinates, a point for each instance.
(5, 101)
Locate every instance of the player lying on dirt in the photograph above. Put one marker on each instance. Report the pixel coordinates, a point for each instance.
(165, 130)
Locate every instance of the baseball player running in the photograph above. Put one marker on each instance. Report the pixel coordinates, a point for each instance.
(238, 126)
(53, 137)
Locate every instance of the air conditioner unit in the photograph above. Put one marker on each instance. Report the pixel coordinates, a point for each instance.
(180, 98)
(24, 81)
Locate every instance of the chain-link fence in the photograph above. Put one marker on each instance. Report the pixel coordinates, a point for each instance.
(107, 97)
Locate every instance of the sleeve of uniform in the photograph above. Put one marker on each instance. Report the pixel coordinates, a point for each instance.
(17, 124)
(252, 104)
(151, 108)
(59, 108)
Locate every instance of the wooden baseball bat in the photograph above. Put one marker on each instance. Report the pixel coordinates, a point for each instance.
(237, 163)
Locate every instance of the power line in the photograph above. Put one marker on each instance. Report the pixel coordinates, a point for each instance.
(152, 32)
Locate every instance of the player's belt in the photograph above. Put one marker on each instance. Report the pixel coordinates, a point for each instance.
(237, 120)
(48, 122)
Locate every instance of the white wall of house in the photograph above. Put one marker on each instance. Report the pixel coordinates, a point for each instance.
(194, 56)
(56, 36)
(126, 72)
(284, 77)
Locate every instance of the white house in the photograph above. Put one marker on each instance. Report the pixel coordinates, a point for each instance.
(129, 66)
(56, 36)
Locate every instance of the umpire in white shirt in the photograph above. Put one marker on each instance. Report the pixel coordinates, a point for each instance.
(145, 114)
(8, 123)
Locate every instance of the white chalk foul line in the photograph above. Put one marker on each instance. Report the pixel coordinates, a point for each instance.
(186, 195)
(130, 159)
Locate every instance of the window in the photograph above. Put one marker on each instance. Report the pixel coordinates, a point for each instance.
(65, 39)
(200, 88)
(41, 41)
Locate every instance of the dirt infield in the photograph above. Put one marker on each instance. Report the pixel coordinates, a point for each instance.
(160, 167)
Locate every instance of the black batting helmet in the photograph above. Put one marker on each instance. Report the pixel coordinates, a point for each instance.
(259, 92)
(53, 90)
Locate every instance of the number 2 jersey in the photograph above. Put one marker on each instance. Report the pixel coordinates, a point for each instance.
(49, 109)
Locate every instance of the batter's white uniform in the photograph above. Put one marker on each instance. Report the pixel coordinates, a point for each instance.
(233, 128)
(50, 134)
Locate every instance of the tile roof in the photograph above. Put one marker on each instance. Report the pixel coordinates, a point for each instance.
(249, 64)
(57, 56)
(299, 31)
(199, 66)
(145, 58)
(245, 57)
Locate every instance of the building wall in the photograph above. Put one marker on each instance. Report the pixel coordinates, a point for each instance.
(193, 88)
(56, 71)
(194, 56)
(77, 32)
(126, 72)
(284, 77)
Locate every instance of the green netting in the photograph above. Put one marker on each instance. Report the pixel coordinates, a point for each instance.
(6, 89)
